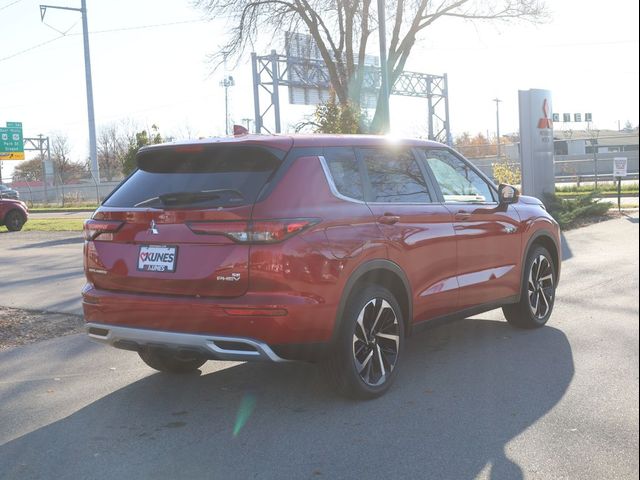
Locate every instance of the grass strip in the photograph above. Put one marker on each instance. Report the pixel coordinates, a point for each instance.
(53, 225)
(608, 187)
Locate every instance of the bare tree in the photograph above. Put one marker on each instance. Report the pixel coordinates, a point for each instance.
(342, 28)
(114, 140)
(112, 146)
(29, 170)
(64, 167)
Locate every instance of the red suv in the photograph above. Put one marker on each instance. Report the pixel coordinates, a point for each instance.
(318, 248)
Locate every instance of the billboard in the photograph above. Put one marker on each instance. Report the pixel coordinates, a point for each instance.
(308, 76)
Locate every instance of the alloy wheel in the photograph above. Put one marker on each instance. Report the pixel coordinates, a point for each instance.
(540, 287)
(376, 342)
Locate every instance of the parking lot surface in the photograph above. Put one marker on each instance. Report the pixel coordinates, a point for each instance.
(41, 271)
(473, 399)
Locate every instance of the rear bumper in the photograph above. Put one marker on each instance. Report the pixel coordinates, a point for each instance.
(207, 346)
(271, 321)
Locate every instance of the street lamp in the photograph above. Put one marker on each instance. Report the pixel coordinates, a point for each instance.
(226, 82)
(497, 100)
(93, 150)
(247, 122)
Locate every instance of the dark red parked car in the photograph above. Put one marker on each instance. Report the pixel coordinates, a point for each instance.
(13, 214)
(322, 248)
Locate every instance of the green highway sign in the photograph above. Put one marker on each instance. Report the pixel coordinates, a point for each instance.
(11, 142)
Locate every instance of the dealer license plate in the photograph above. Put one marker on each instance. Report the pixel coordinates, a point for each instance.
(157, 258)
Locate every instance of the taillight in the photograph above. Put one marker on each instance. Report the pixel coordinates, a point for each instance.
(94, 228)
(257, 231)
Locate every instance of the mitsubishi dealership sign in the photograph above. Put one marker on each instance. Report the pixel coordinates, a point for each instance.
(536, 142)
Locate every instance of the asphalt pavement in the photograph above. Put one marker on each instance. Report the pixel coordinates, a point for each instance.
(41, 271)
(474, 398)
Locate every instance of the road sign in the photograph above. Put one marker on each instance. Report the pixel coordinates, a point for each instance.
(620, 167)
(11, 142)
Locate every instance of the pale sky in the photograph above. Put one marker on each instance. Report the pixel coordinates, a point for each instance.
(587, 55)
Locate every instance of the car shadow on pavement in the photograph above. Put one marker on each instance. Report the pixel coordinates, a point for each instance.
(465, 390)
(50, 243)
(566, 249)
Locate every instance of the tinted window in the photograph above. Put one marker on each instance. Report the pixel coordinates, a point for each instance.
(458, 181)
(344, 171)
(209, 178)
(395, 177)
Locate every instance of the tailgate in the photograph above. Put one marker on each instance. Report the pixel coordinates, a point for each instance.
(174, 227)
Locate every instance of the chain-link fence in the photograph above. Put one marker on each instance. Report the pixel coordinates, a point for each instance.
(57, 191)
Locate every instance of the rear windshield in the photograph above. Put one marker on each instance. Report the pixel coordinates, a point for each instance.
(214, 177)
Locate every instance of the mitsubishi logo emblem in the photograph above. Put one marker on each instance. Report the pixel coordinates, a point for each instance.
(152, 228)
(545, 122)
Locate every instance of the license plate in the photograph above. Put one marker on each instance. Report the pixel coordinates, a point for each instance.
(157, 258)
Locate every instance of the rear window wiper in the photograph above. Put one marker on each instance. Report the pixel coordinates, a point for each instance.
(191, 198)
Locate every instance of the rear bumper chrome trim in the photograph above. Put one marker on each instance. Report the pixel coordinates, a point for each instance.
(210, 346)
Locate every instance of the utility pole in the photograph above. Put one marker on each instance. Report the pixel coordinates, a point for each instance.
(384, 87)
(93, 150)
(593, 134)
(497, 100)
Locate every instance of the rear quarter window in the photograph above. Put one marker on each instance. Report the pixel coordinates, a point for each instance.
(345, 172)
(207, 177)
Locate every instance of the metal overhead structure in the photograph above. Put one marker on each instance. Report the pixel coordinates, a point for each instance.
(270, 72)
(41, 144)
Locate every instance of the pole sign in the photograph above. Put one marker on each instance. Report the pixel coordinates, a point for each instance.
(11, 142)
(620, 167)
(536, 142)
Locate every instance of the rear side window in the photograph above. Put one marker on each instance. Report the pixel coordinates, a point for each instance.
(395, 177)
(196, 177)
(344, 171)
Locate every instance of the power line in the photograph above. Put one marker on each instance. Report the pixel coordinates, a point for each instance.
(10, 4)
(508, 46)
(31, 48)
(121, 29)
(141, 27)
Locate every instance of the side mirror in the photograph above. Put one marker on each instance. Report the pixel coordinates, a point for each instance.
(507, 194)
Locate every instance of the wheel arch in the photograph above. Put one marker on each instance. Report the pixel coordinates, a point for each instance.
(378, 272)
(546, 240)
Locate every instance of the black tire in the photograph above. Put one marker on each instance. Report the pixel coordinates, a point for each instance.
(14, 221)
(538, 293)
(365, 356)
(166, 361)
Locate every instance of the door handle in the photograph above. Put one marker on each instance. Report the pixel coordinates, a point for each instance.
(462, 215)
(388, 219)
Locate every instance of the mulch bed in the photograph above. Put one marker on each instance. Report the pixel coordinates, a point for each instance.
(584, 221)
(21, 327)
